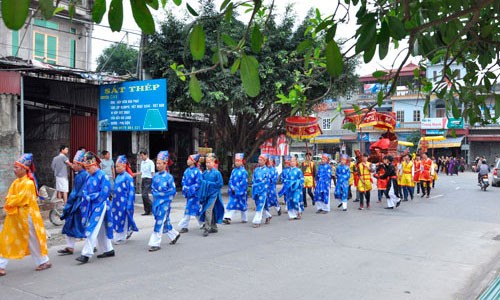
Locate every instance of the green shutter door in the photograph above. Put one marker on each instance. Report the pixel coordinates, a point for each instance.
(39, 46)
(51, 50)
(15, 42)
(72, 53)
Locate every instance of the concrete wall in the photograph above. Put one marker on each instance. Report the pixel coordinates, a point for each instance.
(9, 141)
(486, 149)
(408, 106)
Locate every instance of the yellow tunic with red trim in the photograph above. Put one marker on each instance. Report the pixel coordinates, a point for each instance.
(434, 167)
(21, 202)
(399, 172)
(407, 174)
(427, 172)
(351, 178)
(365, 178)
(308, 175)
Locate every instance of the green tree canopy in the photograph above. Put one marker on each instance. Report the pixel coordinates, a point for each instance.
(118, 58)
(239, 122)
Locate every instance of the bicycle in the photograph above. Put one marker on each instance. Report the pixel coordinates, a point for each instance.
(48, 201)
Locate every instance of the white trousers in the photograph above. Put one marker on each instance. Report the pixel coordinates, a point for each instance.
(393, 199)
(257, 219)
(292, 213)
(320, 205)
(155, 238)
(70, 242)
(98, 237)
(184, 223)
(230, 213)
(121, 236)
(34, 246)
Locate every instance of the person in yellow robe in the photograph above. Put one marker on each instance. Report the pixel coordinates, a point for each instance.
(436, 168)
(23, 232)
(364, 182)
(407, 174)
(309, 171)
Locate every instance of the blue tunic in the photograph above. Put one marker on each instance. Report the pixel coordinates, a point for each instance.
(238, 186)
(191, 182)
(343, 174)
(272, 195)
(72, 215)
(292, 189)
(96, 192)
(260, 186)
(163, 190)
(122, 208)
(323, 181)
(211, 183)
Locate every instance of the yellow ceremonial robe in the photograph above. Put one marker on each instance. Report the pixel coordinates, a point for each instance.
(407, 176)
(365, 178)
(21, 202)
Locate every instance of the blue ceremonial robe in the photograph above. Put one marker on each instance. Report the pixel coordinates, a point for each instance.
(260, 185)
(96, 192)
(163, 190)
(237, 190)
(72, 215)
(272, 195)
(211, 183)
(323, 181)
(191, 182)
(122, 207)
(292, 189)
(343, 174)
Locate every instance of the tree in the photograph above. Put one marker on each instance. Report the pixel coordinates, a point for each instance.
(445, 31)
(239, 122)
(118, 58)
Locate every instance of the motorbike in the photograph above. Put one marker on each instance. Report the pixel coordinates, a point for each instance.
(484, 182)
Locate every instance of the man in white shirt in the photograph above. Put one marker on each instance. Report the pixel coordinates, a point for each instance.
(147, 171)
(60, 165)
(108, 167)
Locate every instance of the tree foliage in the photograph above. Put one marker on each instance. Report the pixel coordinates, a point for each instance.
(240, 122)
(118, 58)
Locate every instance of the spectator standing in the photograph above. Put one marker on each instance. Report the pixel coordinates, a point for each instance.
(147, 171)
(108, 167)
(60, 165)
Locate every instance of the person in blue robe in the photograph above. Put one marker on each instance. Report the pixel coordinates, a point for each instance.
(260, 186)
(343, 173)
(292, 190)
(163, 190)
(96, 212)
(212, 207)
(323, 182)
(284, 173)
(72, 216)
(122, 207)
(237, 190)
(272, 195)
(191, 182)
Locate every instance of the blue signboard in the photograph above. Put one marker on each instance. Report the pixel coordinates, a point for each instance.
(133, 106)
(435, 132)
(363, 137)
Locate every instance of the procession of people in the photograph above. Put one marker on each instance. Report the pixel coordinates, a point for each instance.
(102, 215)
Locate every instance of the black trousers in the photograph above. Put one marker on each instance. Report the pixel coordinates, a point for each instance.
(309, 191)
(146, 189)
(362, 196)
(426, 187)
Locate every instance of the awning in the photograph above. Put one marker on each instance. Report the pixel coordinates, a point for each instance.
(325, 139)
(447, 143)
(349, 137)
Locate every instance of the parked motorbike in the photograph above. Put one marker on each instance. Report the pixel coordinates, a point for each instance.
(484, 182)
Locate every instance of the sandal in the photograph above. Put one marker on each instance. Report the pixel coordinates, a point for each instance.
(44, 266)
(66, 251)
(2, 272)
(256, 225)
(268, 220)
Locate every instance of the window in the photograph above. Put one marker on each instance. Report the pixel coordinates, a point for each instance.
(440, 111)
(72, 50)
(45, 48)
(327, 124)
(400, 116)
(15, 42)
(416, 116)
(46, 24)
(434, 75)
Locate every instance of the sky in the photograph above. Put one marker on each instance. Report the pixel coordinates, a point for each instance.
(301, 8)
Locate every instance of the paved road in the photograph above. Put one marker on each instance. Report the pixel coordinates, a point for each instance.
(437, 248)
